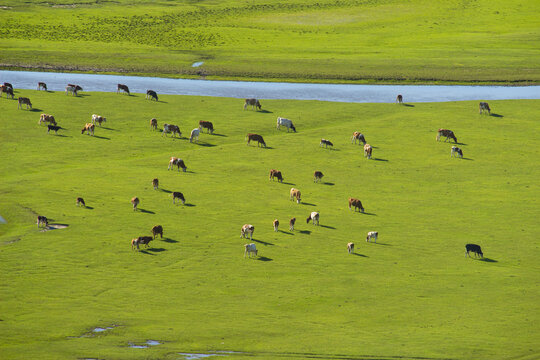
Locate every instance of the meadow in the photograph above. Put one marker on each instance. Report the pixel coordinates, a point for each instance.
(358, 41)
(413, 294)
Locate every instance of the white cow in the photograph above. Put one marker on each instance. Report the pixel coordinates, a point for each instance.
(194, 134)
(247, 229)
(98, 119)
(372, 235)
(285, 122)
(314, 216)
(350, 247)
(250, 249)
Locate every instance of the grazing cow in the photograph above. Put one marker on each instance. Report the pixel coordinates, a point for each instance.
(151, 94)
(449, 134)
(285, 122)
(141, 240)
(254, 103)
(135, 201)
(358, 136)
(89, 128)
(250, 249)
(295, 194)
(42, 220)
(177, 162)
(247, 229)
(98, 119)
(399, 99)
(194, 135)
(171, 128)
(135, 243)
(275, 224)
(455, 150)
(326, 143)
(484, 106)
(54, 128)
(255, 137)
(291, 223)
(24, 101)
(41, 85)
(350, 248)
(276, 174)
(314, 216)
(157, 230)
(122, 87)
(317, 176)
(178, 195)
(155, 183)
(6, 84)
(73, 89)
(368, 151)
(206, 125)
(153, 124)
(372, 235)
(356, 203)
(80, 201)
(47, 118)
(8, 90)
(475, 249)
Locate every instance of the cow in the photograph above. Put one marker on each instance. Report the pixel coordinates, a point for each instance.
(194, 135)
(455, 150)
(42, 220)
(41, 85)
(155, 183)
(122, 87)
(358, 136)
(449, 134)
(98, 119)
(317, 176)
(326, 143)
(89, 128)
(80, 201)
(135, 243)
(157, 230)
(177, 162)
(350, 248)
(399, 99)
(291, 223)
(135, 201)
(141, 240)
(295, 194)
(476, 249)
(167, 128)
(356, 203)
(314, 216)
(247, 229)
(47, 118)
(276, 174)
(151, 94)
(8, 85)
(153, 123)
(372, 235)
(8, 90)
(178, 195)
(54, 128)
(255, 137)
(254, 103)
(484, 106)
(275, 224)
(24, 101)
(368, 151)
(73, 89)
(285, 122)
(206, 125)
(250, 249)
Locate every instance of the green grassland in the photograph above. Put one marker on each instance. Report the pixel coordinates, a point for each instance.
(382, 41)
(413, 294)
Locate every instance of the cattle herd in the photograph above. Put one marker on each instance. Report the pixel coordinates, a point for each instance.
(247, 229)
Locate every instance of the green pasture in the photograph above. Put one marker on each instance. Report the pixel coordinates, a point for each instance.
(414, 294)
(373, 41)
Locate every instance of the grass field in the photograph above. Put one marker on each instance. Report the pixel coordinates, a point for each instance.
(373, 41)
(413, 294)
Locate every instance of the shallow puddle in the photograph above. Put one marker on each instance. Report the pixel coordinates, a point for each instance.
(100, 329)
(145, 345)
(197, 64)
(192, 356)
(2, 220)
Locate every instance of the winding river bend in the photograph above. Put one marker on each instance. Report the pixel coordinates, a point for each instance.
(270, 90)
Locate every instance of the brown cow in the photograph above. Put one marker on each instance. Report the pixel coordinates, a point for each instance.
(356, 203)
(155, 183)
(47, 118)
(255, 137)
(291, 223)
(295, 194)
(449, 134)
(153, 124)
(80, 201)
(358, 136)
(135, 201)
(275, 224)
(157, 230)
(254, 103)
(98, 119)
(178, 162)
(206, 125)
(368, 150)
(276, 174)
(89, 128)
(247, 229)
(141, 240)
(317, 176)
(178, 195)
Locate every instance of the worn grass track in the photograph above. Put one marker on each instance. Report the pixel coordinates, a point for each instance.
(413, 294)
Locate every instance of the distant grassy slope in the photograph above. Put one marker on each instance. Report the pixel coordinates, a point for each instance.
(488, 41)
(413, 295)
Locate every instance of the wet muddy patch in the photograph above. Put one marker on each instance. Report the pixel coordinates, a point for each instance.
(197, 64)
(2, 220)
(145, 345)
(194, 356)
(99, 330)
(54, 227)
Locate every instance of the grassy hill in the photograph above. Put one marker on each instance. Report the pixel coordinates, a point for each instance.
(382, 41)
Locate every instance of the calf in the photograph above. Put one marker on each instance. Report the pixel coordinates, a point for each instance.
(194, 135)
(247, 229)
(449, 134)
(54, 128)
(455, 150)
(358, 136)
(206, 125)
(47, 118)
(399, 99)
(350, 248)
(356, 203)
(372, 235)
(151, 94)
(368, 151)
(42, 220)
(153, 124)
(254, 103)
(167, 128)
(24, 101)
(155, 183)
(484, 106)
(275, 224)
(135, 201)
(255, 137)
(122, 87)
(41, 85)
(285, 122)
(250, 249)
(157, 230)
(98, 119)
(178, 195)
(314, 216)
(80, 201)
(276, 174)
(475, 249)
(89, 128)
(295, 194)
(177, 162)
(326, 143)
(291, 223)
(317, 176)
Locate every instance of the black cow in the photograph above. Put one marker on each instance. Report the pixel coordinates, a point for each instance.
(475, 249)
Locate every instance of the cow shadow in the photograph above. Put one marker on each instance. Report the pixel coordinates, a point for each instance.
(288, 183)
(464, 158)
(265, 111)
(262, 242)
(108, 128)
(156, 249)
(407, 105)
(263, 258)
(166, 191)
(102, 137)
(328, 227)
(146, 252)
(60, 135)
(89, 207)
(487, 260)
(222, 135)
(496, 115)
(376, 243)
(205, 144)
(145, 211)
(189, 205)
(190, 171)
(366, 213)
(329, 183)
(170, 241)
(305, 232)
(458, 143)
(268, 147)
(285, 232)
(308, 204)
(35, 110)
(332, 149)
(362, 255)
(379, 159)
